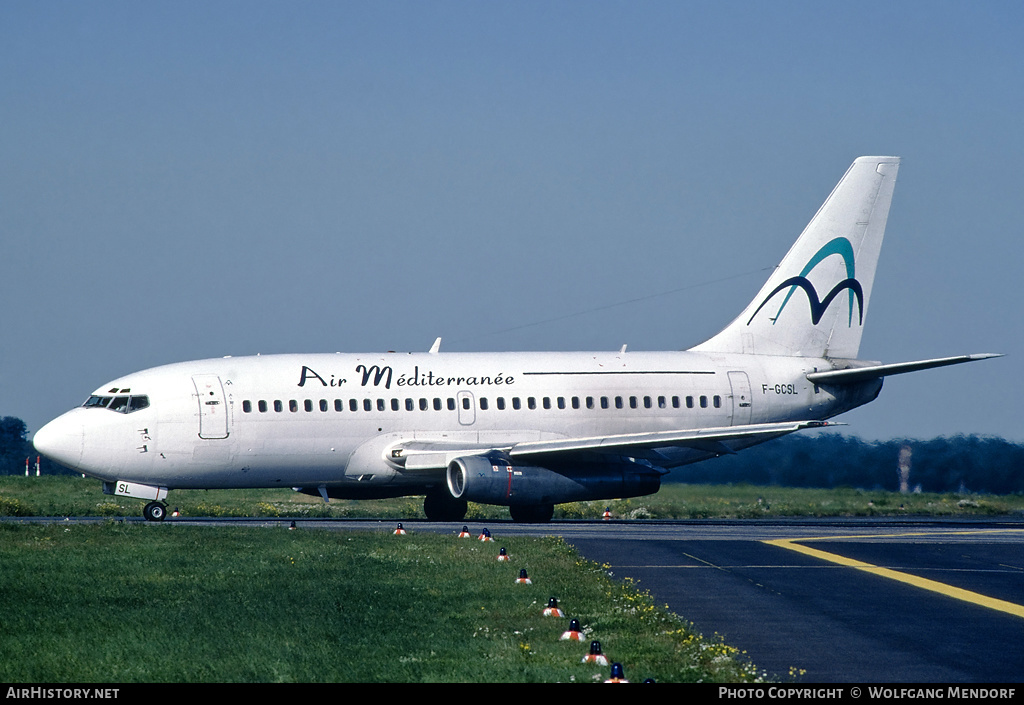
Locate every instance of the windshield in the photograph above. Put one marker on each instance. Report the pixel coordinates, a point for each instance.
(124, 404)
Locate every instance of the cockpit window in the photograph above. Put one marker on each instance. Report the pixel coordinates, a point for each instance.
(121, 404)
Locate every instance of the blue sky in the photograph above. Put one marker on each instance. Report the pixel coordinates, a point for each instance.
(181, 180)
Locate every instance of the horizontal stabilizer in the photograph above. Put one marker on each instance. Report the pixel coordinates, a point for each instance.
(861, 374)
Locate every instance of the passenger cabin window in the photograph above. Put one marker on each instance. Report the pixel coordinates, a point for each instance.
(127, 403)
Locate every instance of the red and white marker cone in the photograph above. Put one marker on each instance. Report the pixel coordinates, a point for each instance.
(595, 655)
(617, 675)
(503, 556)
(573, 633)
(522, 579)
(399, 531)
(552, 609)
(607, 514)
(175, 513)
(464, 534)
(485, 535)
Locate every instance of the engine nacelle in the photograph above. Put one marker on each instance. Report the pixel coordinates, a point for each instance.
(494, 480)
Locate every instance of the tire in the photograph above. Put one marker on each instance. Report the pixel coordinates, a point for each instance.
(154, 511)
(438, 505)
(532, 513)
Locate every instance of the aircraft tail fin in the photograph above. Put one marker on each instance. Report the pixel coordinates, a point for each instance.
(815, 302)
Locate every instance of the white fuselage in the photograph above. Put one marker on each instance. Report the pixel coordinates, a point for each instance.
(330, 419)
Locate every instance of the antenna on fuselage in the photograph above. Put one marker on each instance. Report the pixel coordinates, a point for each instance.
(435, 347)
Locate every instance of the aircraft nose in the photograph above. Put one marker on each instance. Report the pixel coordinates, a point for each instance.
(61, 440)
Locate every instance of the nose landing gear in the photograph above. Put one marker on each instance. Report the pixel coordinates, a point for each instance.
(155, 511)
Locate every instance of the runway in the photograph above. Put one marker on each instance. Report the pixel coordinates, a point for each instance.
(831, 600)
(908, 603)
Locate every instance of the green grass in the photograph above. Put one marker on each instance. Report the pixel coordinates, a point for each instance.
(132, 602)
(75, 496)
(124, 603)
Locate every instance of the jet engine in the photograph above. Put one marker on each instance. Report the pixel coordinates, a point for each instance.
(494, 479)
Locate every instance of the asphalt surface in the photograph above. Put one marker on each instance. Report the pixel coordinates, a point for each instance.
(835, 623)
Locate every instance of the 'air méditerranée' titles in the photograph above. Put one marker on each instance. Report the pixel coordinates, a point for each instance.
(378, 376)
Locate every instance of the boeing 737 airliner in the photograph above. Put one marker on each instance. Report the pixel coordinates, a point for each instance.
(524, 430)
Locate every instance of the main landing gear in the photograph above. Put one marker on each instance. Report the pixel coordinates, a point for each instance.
(155, 511)
(438, 505)
(532, 513)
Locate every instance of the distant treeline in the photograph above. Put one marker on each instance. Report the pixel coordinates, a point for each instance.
(960, 463)
(947, 464)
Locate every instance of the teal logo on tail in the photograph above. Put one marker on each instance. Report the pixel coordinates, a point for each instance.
(842, 247)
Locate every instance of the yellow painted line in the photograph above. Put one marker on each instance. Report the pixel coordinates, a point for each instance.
(908, 534)
(923, 583)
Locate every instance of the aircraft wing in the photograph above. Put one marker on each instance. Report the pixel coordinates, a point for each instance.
(436, 455)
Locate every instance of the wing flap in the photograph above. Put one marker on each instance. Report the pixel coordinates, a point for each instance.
(423, 455)
(700, 439)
